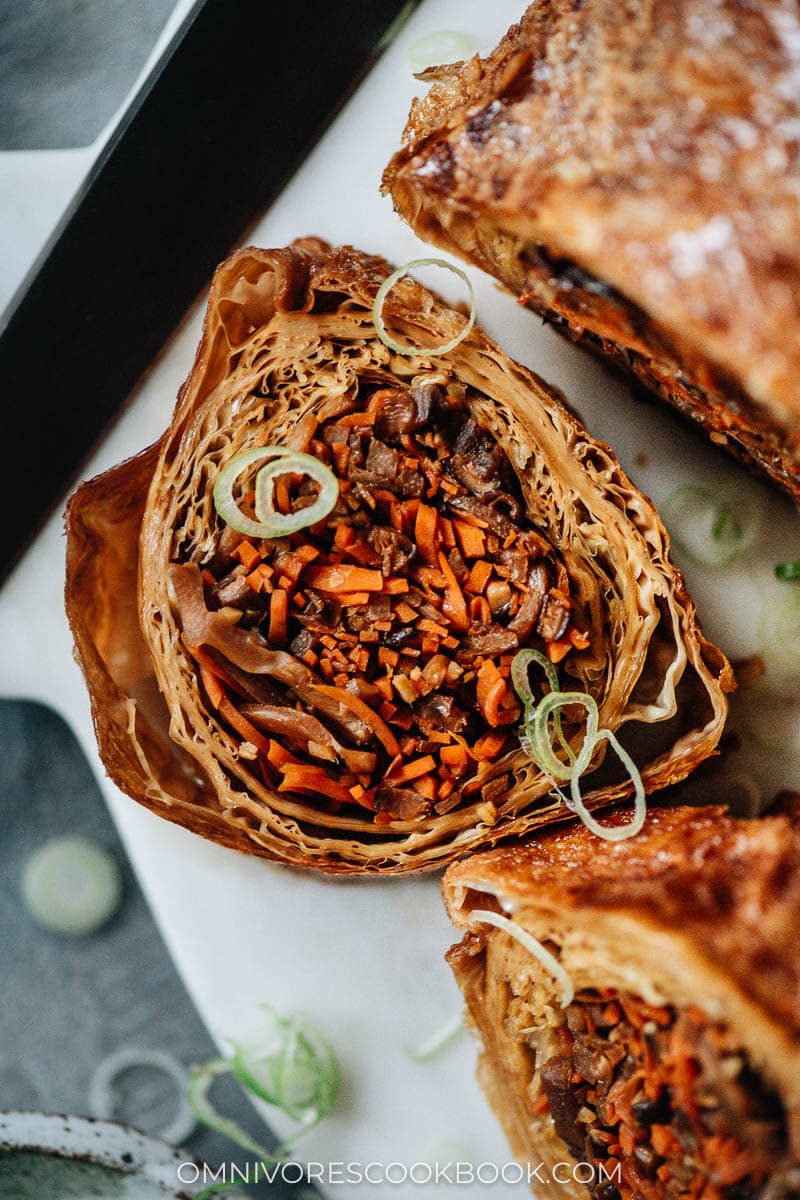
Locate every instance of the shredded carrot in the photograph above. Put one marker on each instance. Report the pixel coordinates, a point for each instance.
(379, 727)
(352, 599)
(212, 685)
(454, 604)
(492, 689)
(425, 533)
(242, 726)
(278, 616)
(479, 610)
(301, 777)
(412, 770)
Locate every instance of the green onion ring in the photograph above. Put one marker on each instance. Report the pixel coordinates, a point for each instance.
(534, 947)
(609, 833)
(282, 461)
(707, 527)
(386, 287)
(537, 743)
(520, 665)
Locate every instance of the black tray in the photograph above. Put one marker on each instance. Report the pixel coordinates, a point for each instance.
(233, 107)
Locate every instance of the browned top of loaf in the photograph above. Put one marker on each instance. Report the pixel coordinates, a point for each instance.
(656, 143)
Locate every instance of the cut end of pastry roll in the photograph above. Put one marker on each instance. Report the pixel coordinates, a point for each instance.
(631, 173)
(335, 691)
(674, 1068)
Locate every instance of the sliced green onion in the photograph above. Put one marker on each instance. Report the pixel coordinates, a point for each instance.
(292, 1068)
(520, 667)
(443, 46)
(788, 572)
(779, 631)
(71, 885)
(537, 742)
(103, 1098)
(707, 527)
(438, 1041)
(386, 287)
(609, 833)
(281, 461)
(548, 961)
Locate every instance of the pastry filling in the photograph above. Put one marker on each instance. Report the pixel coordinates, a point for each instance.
(664, 1100)
(365, 661)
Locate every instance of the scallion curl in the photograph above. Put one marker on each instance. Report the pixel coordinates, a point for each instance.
(293, 1069)
(386, 287)
(537, 743)
(279, 460)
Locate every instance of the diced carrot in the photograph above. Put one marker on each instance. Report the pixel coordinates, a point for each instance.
(663, 1140)
(479, 576)
(387, 657)
(352, 599)
(470, 539)
(488, 746)
(395, 587)
(579, 640)
(247, 554)
(344, 579)
(278, 616)
(259, 577)
(412, 770)
(540, 1105)
(448, 533)
(441, 736)
(349, 420)
(378, 726)
(406, 613)
(558, 650)
(426, 529)
(456, 757)
(427, 786)
(454, 604)
(428, 626)
(207, 578)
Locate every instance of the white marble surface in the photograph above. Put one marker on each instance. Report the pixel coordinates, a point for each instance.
(364, 959)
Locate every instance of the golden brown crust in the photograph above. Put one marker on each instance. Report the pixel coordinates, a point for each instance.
(732, 886)
(632, 171)
(699, 909)
(283, 329)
